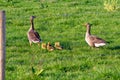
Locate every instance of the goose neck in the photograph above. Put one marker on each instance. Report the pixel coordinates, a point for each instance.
(88, 31)
(32, 24)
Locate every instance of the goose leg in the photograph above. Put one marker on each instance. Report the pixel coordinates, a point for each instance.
(30, 43)
(38, 44)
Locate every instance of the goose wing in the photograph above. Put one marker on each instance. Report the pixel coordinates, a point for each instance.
(37, 35)
(96, 39)
(34, 36)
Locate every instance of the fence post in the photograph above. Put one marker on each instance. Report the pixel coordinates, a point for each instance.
(2, 45)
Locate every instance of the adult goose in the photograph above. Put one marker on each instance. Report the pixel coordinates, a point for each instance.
(92, 40)
(33, 36)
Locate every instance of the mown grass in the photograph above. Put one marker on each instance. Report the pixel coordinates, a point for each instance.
(61, 20)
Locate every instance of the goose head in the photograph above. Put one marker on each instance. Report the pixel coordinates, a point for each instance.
(32, 17)
(49, 44)
(88, 25)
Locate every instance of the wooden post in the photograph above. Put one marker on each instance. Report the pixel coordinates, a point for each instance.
(2, 45)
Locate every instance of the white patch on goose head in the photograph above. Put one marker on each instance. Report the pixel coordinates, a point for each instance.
(99, 44)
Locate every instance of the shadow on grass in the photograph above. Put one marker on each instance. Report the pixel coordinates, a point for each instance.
(117, 47)
(114, 48)
(66, 45)
(82, 67)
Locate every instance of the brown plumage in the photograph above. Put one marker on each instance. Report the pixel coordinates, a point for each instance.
(58, 46)
(33, 36)
(49, 47)
(92, 40)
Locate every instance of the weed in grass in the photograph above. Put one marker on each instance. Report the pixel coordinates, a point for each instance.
(111, 5)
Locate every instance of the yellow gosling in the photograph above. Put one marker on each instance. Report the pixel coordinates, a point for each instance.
(43, 46)
(49, 47)
(58, 46)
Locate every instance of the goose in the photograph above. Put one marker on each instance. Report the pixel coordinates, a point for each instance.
(49, 47)
(32, 35)
(92, 40)
(58, 46)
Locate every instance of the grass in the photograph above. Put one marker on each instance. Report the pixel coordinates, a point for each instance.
(61, 20)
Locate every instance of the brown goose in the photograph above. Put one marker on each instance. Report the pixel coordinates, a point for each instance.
(92, 40)
(33, 36)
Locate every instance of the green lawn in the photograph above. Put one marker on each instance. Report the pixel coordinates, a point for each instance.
(61, 20)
